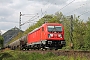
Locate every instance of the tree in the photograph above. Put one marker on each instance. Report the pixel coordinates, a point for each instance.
(87, 36)
(81, 30)
(1, 41)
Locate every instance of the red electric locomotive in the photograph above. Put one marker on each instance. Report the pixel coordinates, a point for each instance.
(49, 35)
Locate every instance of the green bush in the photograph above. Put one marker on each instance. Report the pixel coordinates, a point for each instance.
(19, 55)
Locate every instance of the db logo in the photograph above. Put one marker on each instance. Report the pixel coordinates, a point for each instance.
(55, 35)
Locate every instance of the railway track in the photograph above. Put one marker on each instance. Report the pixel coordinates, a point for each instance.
(59, 52)
(68, 53)
(62, 52)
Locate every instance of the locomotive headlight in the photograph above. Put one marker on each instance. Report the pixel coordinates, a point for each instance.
(60, 35)
(50, 35)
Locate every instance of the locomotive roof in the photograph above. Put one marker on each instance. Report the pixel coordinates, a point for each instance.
(43, 25)
(52, 23)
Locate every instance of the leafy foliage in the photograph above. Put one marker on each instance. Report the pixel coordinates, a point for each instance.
(18, 55)
(87, 35)
(81, 30)
(1, 41)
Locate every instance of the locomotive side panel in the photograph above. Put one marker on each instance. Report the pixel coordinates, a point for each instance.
(37, 35)
(34, 37)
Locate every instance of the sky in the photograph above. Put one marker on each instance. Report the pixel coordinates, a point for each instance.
(33, 10)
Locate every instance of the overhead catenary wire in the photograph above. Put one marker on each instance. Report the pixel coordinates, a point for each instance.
(58, 10)
(72, 10)
(66, 5)
(20, 24)
(83, 13)
(28, 14)
(81, 6)
(30, 19)
(44, 13)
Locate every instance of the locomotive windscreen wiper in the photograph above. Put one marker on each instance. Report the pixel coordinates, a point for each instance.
(54, 29)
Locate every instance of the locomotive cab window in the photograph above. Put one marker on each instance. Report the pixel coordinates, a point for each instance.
(42, 28)
(54, 28)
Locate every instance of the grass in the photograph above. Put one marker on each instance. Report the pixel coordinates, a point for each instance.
(17, 55)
